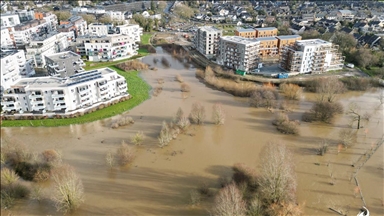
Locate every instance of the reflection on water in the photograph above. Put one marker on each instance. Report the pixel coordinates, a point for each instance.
(158, 183)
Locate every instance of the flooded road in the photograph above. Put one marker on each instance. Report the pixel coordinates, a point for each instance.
(159, 180)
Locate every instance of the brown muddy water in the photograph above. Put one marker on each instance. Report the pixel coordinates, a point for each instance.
(159, 180)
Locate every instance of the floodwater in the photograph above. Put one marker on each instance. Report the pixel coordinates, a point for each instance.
(159, 180)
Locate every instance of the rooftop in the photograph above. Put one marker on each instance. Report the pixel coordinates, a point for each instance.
(65, 60)
(209, 28)
(246, 30)
(6, 53)
(240, 40)
(288, 36)
(266, 29)
(266, 38)
(55, 82)
(313, 42)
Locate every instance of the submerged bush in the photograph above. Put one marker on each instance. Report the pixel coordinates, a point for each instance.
(323, 111)
(124, 154)
(284, 125)
(291, 91)
(264, 97)
(229, 202)
(218, 114)
(132, 65)
(197, 114)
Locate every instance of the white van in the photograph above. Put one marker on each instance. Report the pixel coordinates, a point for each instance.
(350, 65)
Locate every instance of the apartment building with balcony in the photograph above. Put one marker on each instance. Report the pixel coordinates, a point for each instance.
(246, 33)
(266, 32)
(9, 19)
(13, 67)
(286, 40)
(24, 32)
(98, 29)
(6, 39)
(110, 47)
(311, 56)
(56, 94)
(268, 47)
(79, 25)
(41, 46)
(206, 40)
(238, 53)
(64, 64)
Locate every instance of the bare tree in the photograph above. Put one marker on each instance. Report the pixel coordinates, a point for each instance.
(138, 138)
(229, 202)
(328, 88)
(355, 112)
(218, 114)
(197, 114)
(346, 137)
(277, 178)
(291, 91)
(68, 192)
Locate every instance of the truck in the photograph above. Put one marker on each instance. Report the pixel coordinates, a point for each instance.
(282, 76)
(240, 72)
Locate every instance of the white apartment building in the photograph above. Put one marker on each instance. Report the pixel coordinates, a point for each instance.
(13, 66)
(25, 15)
(98, 29)
(115, 15)
(64, 64)
(51, 20)
(23, 33)
(111, 47)
(6, 40)
(51, 43)
(54, 94)
(80, 25)
(206, 40)
(9, 20)
(311, 56)
(238, 53)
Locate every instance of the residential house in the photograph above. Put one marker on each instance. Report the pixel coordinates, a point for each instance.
(266, 32)
(296, 29)
(246, 33)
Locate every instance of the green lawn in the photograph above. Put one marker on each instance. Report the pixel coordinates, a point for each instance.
(137, 87)
(374, 72)
(145, 38)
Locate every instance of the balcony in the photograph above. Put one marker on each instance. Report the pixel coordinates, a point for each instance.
(53, 65)
(8, 102)
(60, 70)
(35, 96)
(59, 106)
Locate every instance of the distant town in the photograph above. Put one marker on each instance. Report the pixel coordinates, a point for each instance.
(45, 46)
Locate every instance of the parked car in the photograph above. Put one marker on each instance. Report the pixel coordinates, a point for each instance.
(350, 65)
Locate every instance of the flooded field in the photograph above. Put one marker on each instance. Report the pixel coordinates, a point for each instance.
(159, 180)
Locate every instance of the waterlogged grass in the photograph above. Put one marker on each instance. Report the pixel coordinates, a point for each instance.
(138, 88)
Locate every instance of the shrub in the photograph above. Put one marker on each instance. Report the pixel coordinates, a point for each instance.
(291, 91)
(323, 148)
(179, 115)
(218, 114)
(160, 81)
(138, 138)
(165, 135)
(132, 65)
(183, 123)
(8, 177)
(204, 189)
(179, 78)
(356, 83)
(200, 73)
(229, 202)
(51, 156)
(255, 207)
(195, 197)
(125, 120)
(124, 154)
(346, 137)
(110, 159)
(165, 62)
(284, 125)
(197, 114)
(323, 111)
(157, 90)
(264, 97)
(26, 170)
(68, 191)
(185, 87)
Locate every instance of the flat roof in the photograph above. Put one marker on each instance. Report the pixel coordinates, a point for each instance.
(266, 38)
(240, 40)
(210, 28)
(246, 30)
(288, 36)
(56, 82)
(266, 29)
(6, 53)
(313, 42)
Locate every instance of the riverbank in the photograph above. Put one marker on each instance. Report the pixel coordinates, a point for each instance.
(137, 87)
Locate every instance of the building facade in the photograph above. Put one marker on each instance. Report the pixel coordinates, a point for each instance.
(54, 94)
(238, 53)
(110, 47)
(6, 40)
(266, 32)
(13, 67)
(206, 40)
(268, 47)
(23, 33)
(245, 33)
(79, 25)
(98, 29)
(286, 40)
(9, 20)
(64, 64)
(311, 56)
(52, 43)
